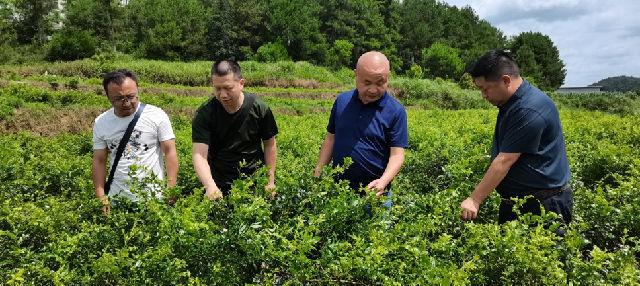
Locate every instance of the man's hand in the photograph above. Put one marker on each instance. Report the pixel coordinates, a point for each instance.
(213, 193)
(378, 186)
(271, 187)
(470, 209)
(317, 172)
(106, 207)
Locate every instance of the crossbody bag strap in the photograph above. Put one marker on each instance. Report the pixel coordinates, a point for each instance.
(123, 143)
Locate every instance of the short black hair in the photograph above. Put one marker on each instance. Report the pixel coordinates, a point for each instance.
(225, 67)
(117, 77)
(494, 64)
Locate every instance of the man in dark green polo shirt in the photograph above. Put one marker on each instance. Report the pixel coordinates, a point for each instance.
(229, 133)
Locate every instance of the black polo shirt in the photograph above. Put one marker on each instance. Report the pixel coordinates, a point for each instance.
(233, 138)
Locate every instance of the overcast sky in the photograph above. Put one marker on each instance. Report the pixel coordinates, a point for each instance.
(596, 38)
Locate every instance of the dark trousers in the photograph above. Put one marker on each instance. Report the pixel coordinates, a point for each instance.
(561, 204)
(225, 187)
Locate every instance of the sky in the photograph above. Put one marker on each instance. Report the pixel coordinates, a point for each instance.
(596, 38)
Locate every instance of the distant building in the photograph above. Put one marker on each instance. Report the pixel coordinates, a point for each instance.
(580, 89)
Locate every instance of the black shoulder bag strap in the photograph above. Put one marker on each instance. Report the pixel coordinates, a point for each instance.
(123, 143)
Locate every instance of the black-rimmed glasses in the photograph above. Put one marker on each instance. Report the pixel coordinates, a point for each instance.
(122, 99)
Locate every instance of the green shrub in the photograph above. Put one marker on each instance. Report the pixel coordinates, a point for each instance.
(466, 82)
(618, 103)
(71, 45)
(340, 54)
(415, 71)
(441, 60)
(272, 52)
(316, 231)
(436, 94)
(8, 103)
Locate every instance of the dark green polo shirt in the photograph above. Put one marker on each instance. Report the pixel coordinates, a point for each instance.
(233, 138)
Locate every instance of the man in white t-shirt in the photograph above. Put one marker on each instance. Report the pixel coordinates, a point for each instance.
(152, 137)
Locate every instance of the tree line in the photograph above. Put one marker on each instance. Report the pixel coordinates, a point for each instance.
(619, 84)
(422, 38)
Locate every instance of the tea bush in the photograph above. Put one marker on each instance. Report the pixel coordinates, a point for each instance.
(317, 231)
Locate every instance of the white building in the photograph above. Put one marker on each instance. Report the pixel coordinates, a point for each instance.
(580, 89)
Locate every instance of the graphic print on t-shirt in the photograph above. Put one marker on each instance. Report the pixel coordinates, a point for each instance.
(132, 148)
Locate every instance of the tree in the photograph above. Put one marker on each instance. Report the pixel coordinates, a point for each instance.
(619, 83)
(34, 20)
(422, 25)
(552, 71)
(340, 54)
(235, 28)
(425, 22)
(296, 24)
(7, 32)
(367, 24)
(71, 44)
(529, 68)
(169, 30)
(272, 52)
(415, 71)
(472, 36)
(103, 19)
(441, 60)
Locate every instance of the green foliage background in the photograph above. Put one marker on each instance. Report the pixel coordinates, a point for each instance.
(331, 33)
(316, 231)
(620, 84)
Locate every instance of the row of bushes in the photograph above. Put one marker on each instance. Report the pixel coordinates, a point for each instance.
(278, 74)
(23, 96)
(611, 102)
(317, 231)
(427, 93)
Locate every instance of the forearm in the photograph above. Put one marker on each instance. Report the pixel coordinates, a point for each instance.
(393, 167)
(98, 175)
(203, 171)
(326, 150)
(172, 165)
(495, 174)
(270, 158)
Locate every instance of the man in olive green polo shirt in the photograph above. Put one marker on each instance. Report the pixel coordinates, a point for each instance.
(231, 128)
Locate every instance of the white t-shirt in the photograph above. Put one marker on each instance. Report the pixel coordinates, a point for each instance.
(143, 149)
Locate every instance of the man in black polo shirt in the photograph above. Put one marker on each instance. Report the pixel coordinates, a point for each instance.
(229, 132)
(528, 153)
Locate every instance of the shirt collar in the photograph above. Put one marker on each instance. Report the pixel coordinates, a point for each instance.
(521, 91)
(381, 102)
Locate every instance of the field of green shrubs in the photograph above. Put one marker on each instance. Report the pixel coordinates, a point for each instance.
(315, 231)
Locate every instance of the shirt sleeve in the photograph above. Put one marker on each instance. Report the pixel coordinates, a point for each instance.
(201, 125)
(399, 134)
(331, 126)
(523, 132)
(268, 126)
(98, 142)
(165, 131)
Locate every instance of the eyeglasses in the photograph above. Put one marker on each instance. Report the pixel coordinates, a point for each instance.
(122, 99)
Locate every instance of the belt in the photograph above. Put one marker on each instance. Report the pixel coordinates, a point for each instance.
(540, 195)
